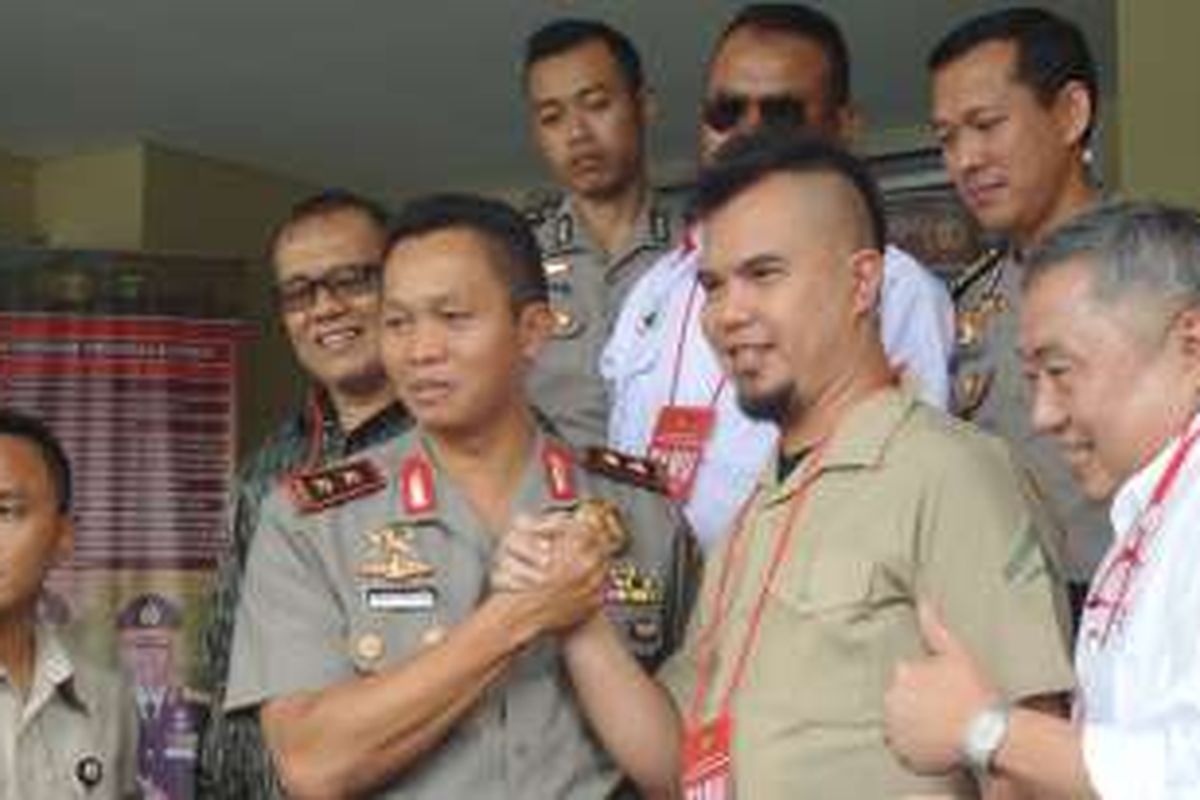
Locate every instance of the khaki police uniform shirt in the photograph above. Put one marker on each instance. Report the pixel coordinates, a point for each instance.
(907, 503)
(587, 287)
(310, 618)
(990, 390)
(73, 736)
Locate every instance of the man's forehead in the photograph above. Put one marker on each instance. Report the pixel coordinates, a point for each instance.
(335, 239)
(590, 63)
(21, 465)
(753, 60)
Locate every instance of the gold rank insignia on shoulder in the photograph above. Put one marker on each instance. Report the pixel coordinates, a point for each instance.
(394, 557)
(630, 586)
(623, 467)
(321, 489)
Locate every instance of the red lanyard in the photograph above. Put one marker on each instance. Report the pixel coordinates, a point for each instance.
(706, 642)
(1109, 594)
(681, 340)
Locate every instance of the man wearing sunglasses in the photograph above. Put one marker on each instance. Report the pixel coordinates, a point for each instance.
(327, 260)
(775, 66)
(588, 109)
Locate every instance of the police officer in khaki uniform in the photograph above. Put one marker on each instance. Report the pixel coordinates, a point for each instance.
(588, 108)
(66, 725)
(1014, 104)
(383, 654)
(874, 501)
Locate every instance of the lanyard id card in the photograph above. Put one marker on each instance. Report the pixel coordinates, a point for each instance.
(707, 762)
(677, 446)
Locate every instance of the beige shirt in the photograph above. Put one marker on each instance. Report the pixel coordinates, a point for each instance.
(907, 503)
(587, 287)
(73, 736)
(310, 617)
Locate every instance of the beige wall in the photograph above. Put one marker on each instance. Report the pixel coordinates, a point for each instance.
(1158, 100)
(17, 222)
(91, 200)
(196, 204)
(147, 198)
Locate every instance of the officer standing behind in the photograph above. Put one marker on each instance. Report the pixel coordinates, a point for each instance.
(326, 258)
(783, 66)
(170, 714)
(873, 499)
(588, 109)
(1014, 107)
(369, 638)
(66, 725)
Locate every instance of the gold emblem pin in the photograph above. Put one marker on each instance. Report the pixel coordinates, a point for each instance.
(397, 560)
(369, 647)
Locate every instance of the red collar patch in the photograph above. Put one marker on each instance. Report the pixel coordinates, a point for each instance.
(417, 486)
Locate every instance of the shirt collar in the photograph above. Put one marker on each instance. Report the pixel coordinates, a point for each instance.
(651, 229)
(53, 672)
(554, 485)
(1134, 494)
(860, 440)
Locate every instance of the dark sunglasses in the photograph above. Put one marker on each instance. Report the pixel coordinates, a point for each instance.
(724, 112)
(344, 282)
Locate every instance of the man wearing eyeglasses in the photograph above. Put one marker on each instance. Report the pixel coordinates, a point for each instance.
(1110, 344)
(327, 260)
(775, 66)
(588, 108)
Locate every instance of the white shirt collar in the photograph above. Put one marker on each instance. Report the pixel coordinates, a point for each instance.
(1133, 496)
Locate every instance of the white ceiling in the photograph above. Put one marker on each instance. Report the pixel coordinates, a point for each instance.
(390, 96)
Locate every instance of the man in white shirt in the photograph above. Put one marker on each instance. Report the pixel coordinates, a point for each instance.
(775, 65)
(1110, 339)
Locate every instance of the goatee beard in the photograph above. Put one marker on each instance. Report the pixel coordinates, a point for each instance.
(776, 406)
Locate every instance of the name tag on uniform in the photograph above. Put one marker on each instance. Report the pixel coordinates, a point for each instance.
(388, 598)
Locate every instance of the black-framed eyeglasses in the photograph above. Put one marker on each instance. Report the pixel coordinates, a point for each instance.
(344, 282)
(724, 112)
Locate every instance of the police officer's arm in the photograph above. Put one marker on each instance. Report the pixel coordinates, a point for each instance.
(631, 714)
(359, 732)
(355, 735)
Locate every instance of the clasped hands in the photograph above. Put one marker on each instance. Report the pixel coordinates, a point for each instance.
(555, 567)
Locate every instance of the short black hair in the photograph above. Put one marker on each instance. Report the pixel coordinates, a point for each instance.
(563, 35)
(746, 160)
(33, 430)
(327, 202)
(518, 259)
(1051, 51)
(803, 21)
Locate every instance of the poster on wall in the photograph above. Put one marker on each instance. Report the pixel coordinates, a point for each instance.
(146, 409)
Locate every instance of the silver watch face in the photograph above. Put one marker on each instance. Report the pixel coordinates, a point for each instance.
(985, 734)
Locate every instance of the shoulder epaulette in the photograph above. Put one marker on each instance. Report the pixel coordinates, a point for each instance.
(623, 467)
(320, 489)
(970, 275)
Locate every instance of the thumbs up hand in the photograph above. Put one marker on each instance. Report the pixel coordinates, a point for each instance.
(931, 701)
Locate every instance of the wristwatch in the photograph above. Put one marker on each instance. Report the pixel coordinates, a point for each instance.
(985, 733)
